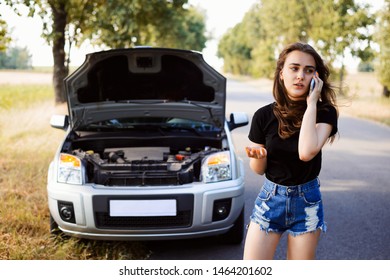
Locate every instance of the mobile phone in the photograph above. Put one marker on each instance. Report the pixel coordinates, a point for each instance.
(312, 84)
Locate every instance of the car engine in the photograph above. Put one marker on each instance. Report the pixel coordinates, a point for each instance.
(143, 166)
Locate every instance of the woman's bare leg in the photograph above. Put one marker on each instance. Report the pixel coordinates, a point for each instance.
(303, 247)
(260, 245)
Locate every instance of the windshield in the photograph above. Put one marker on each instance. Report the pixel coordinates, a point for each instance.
(151, 123)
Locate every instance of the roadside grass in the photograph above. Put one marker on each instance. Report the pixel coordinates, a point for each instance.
(364, 99)
(38, 69)
(372, 108)
(28, 144)
(35, 69)
(22, 96)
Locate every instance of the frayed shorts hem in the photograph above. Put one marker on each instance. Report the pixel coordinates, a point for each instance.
(322, 227)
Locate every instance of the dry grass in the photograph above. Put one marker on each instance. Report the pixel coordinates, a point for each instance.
(28, 144)
(364, 98)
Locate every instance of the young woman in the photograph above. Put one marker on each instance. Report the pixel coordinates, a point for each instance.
(287, 137)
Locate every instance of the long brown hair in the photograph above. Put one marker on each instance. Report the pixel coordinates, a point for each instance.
(289, 112)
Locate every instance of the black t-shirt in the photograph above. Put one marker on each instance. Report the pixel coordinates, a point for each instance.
(283, 164)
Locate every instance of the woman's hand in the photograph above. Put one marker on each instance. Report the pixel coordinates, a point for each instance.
(315, 94)
(258, 158)
(256, 152)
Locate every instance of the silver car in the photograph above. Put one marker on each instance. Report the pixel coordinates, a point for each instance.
(148, 153)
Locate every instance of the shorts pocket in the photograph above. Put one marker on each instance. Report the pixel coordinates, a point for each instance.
(264, 195)
(260, 211)
(312, 196)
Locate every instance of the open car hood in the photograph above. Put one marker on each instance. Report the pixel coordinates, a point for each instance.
(145, 82)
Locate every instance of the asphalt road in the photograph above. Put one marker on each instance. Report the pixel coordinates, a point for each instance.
(355, 182)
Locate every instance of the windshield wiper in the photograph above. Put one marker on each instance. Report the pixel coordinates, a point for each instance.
(143, 101)
(208, 108)
(170, 127)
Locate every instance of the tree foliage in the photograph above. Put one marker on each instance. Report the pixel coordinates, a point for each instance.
(4, 36)
(383, 38)
(122, 24)
(15, 58)
(334, 27)
(113, 24)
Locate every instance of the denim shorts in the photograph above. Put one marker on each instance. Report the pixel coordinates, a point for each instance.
(292, 209)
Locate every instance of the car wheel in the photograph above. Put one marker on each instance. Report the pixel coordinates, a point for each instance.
(236, 234)
(53, 226)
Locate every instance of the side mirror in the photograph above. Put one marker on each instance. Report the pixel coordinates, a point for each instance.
(238, 119)
(59, 121)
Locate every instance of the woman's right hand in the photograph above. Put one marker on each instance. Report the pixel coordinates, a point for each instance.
(256, 152)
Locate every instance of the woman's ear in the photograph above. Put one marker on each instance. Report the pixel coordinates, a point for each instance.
(281, 75)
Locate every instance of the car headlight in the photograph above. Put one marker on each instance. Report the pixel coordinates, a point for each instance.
(69, 169)
(217, 167)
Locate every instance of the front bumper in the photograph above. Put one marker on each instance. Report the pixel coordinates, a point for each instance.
(196, 213)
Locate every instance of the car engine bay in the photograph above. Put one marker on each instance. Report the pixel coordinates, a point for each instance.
(143, 166)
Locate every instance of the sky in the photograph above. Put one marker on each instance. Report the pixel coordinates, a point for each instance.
(221, 15)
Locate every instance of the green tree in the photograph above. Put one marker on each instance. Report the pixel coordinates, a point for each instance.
(63, 22)
(283, 22)
(340, 28)
(383, 39)
(120, 23)
(15, 58)
(333, 27)
(366, 67)
(188, 32)
(236, 46)
(265, 29)
(4, 37)
(235, 51)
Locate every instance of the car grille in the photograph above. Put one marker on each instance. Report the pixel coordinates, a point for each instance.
(183, 219)
(103, 220)
(144, 178)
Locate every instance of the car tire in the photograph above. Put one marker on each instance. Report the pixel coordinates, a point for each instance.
(53, 226)
(236, 234)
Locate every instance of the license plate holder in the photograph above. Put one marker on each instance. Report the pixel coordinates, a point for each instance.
(143, 208)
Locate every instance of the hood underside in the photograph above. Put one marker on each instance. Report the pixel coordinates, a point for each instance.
(145, 82)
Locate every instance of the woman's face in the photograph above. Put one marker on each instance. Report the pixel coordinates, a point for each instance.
(296, 74)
